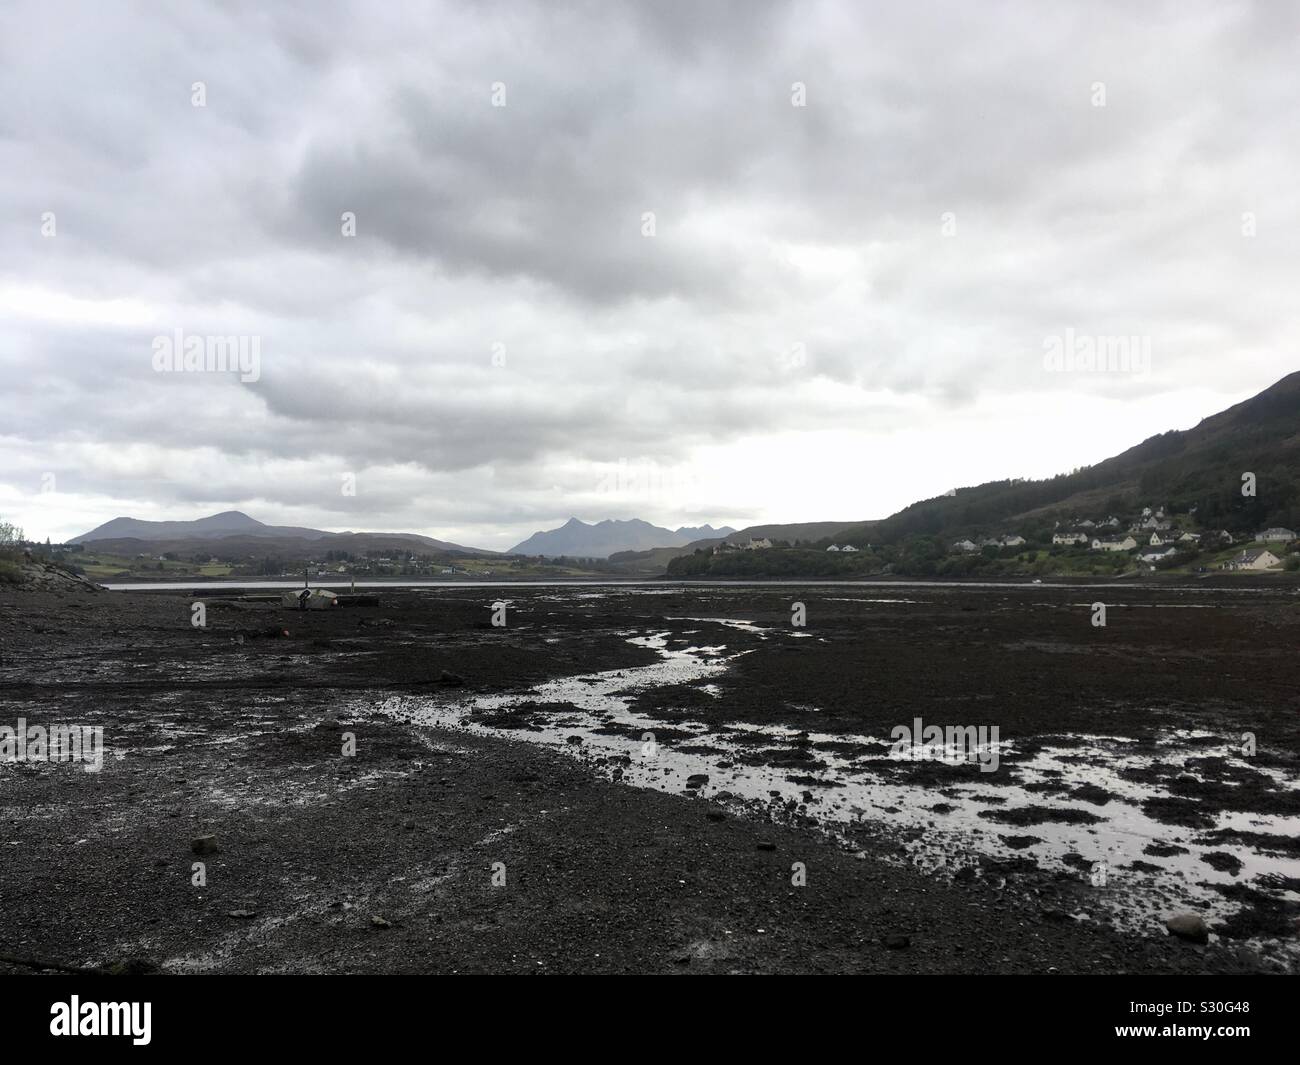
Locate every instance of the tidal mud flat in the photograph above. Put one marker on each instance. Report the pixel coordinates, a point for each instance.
(657, 779)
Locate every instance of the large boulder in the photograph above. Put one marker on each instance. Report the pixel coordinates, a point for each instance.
(34, 574)
(1188, 926)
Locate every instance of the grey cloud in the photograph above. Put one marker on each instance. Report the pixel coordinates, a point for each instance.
(520, 226)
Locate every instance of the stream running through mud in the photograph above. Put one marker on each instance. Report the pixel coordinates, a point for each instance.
(1142, 869)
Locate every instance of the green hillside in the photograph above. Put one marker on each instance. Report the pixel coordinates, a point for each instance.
(1200, 467)
(1196, 476)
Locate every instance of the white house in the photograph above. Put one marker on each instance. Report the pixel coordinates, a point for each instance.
(848, 547)
(833, 547)
(965, 545)
(758, 543)
(1011, 540)
(1114, 543)
(1255, 559)
(1070, 537)
(1275, 536)
(1189, 538)
(1159, 539)
(1157, 554)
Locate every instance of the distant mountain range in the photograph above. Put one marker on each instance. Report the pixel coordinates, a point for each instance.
(233, 532)
(227, 523)
(577, 539)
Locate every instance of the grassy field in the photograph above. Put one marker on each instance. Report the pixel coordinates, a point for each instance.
(101, 566)
(215, 569)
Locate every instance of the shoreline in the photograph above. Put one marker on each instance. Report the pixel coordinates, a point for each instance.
(1241, 582)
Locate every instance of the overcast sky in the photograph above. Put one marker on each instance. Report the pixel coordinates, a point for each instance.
(869, 223)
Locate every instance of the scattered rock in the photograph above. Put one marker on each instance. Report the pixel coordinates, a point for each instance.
(1163, 850)
(378, 922)
(1183, 812)
(1037, 815)
(1098, 796)
(1222, 861)
(1188, 926)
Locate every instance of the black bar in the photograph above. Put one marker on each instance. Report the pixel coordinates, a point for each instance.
(301, 1013)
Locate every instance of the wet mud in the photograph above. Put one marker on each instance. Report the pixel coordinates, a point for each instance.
(659, 779)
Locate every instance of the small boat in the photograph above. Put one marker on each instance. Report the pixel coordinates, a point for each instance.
(309, 599)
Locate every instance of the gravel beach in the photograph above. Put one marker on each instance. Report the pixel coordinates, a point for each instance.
(656, 779)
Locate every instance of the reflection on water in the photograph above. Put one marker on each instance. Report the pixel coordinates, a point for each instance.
(1071, 801)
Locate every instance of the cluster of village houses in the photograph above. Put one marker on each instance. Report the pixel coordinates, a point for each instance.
(759, 543)
(756, 543)
(1154, 536)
